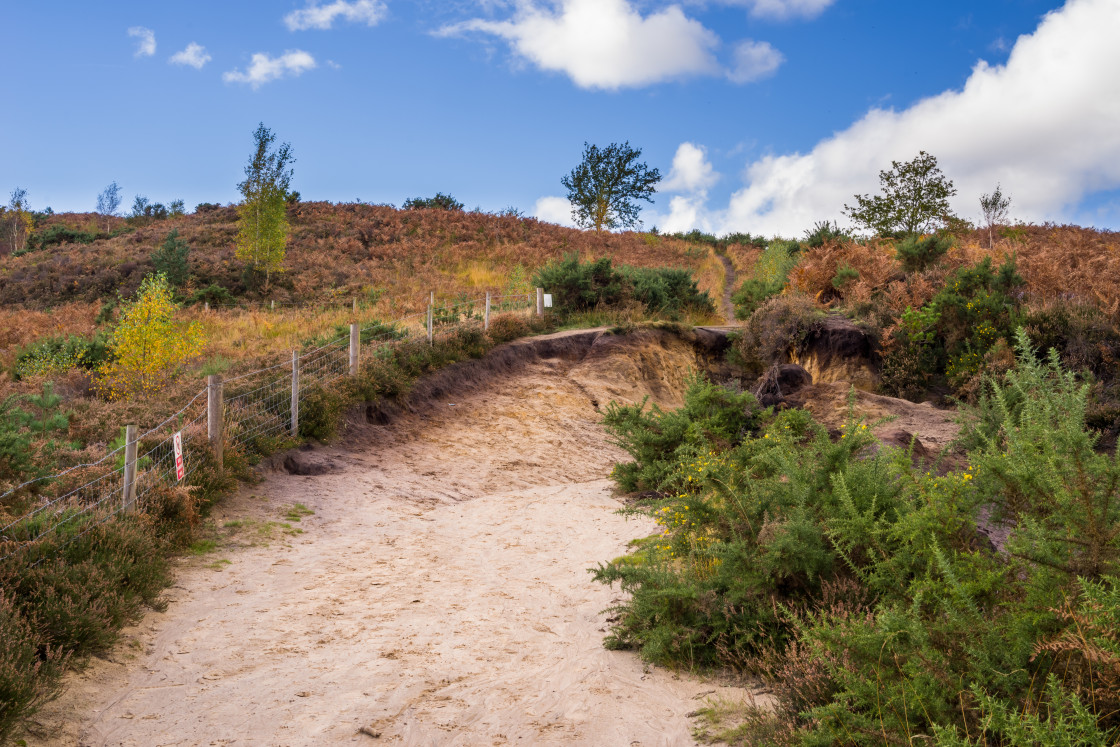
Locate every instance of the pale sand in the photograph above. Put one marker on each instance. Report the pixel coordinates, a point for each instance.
(439, 595)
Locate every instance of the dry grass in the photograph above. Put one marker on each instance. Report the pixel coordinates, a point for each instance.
(1061, 265)
(21, 327)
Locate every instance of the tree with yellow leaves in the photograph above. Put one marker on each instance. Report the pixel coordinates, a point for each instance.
(149, 345)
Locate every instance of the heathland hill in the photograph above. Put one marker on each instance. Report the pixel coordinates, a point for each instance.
(334, 252)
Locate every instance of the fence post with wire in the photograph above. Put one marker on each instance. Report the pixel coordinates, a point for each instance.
(252, 413)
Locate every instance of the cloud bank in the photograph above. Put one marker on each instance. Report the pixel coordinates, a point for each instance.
(1046, 126)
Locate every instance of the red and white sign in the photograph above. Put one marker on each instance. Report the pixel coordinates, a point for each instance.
(180, 468)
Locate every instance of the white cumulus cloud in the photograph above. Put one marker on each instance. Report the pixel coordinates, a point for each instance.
(754, 61)
(554, 210)
(1046, 126)
(263, 68)
(691, 170)
(316, 16)
(194, 55)
(604, 44)
(689, 178)
(146, 44)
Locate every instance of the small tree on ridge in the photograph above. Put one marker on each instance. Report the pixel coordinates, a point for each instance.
(19, 219)
(605, 186)
(915, 199)
(994, 206)
(108, 202)
(262, 231)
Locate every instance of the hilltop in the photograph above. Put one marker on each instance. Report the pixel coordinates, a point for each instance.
(335, 251)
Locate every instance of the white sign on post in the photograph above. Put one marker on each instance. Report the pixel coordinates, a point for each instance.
(180, 468)
(548, 300)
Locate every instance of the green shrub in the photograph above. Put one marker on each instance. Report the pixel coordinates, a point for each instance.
(60, 234)
(213, 294)
(171, 258)
(582, 286)
(439, 202)
(860, 587)
(55, 355)
(667, 291)
(768, 277)
(320, 412)
(845, 274)
(947, 340)
(916, 252)
(823, 232)
(752, 294)
(654, 436)
(15, 442)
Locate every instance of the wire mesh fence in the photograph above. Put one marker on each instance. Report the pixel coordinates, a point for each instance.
(256, 417)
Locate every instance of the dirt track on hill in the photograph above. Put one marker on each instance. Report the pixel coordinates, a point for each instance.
(439, 594)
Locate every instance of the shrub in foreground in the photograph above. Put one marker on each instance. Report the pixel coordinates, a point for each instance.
(862, 588)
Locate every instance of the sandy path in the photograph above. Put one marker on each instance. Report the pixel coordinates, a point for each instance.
(727, 306)
(439, 595)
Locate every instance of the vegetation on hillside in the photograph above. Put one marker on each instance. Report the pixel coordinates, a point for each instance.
(857, 585)
(107, 328)
(860, 589)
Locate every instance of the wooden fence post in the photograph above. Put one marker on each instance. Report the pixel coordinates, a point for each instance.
(486, 314)
(128, 496)
(355, 309)
(214, 408)
(429, 324)
(206, 306)
(273, 305)
(355, 342)
(540, 301)
(295, 394)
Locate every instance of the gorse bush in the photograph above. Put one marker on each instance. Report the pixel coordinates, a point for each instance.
(61, 234)
(951, 335)
(55, 355)
(918, 252)
(578, 286)
(581, 286)
(860, 587)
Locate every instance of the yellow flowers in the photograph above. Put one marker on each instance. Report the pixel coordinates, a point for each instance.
(149, 346)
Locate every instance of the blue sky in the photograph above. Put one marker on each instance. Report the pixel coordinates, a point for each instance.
(764, 115)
